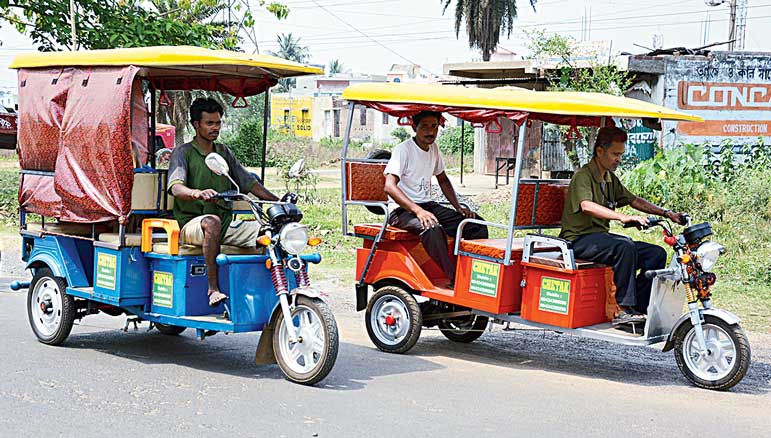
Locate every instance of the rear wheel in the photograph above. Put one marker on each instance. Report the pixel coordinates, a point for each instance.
(170, 330)
(466, 329)
(726, 360)
(50, 310)
(393, 319)
(312, 358)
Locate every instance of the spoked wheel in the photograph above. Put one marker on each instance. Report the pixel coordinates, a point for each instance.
(170, 330)
(50, 310)
(393, 320)
(466, 329)
(726, 360)
(309, 359)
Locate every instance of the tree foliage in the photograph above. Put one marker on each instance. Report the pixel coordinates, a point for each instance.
(335, 67)
(105, 24)
(485, 21)
(601, 75)
(289, 47)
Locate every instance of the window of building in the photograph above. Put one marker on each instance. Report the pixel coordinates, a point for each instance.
(363, 117)
(385, 118)
(286, 116)
(305, 115)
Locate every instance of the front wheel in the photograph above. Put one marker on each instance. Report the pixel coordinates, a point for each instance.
(50, 310)
(726, 360)
(310, 358)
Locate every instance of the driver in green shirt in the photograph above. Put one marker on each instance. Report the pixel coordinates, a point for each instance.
(205, 220)
(594, 195)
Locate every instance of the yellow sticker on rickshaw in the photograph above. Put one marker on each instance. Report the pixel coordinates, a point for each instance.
(106, 268)
(484, 278)
(163, 289)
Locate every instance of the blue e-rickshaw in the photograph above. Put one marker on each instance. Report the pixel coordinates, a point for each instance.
(95, 218)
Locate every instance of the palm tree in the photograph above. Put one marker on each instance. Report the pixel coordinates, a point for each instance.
(335, 66)
(485, 21)
(289, 48)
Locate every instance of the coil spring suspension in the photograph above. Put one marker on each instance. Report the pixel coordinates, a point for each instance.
(689, 296)
(278, 277)
(302, 277)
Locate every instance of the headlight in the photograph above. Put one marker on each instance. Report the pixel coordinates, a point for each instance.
(708, 253)
(293, 238)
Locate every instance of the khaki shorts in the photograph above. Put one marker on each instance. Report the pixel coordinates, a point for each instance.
(240, 233)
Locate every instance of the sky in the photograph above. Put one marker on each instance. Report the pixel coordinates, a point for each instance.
(368, 36)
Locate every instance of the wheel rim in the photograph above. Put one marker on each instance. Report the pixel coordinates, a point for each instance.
(390, 320)
(303, 357)
(720, 358)
(46, 306)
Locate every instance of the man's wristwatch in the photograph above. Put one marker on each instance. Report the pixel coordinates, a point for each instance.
(665, 212)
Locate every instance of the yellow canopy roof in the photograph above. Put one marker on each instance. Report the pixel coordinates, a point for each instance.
(172, 59)
(513, 99)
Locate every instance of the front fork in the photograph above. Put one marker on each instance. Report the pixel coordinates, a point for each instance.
(695, 315)
(280, 284)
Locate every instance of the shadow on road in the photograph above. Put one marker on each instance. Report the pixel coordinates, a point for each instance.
(553, 352)
(234, 355)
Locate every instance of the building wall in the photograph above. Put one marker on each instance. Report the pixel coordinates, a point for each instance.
(292, 114)
(730, 90)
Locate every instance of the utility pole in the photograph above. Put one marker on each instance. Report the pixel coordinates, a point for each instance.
(72, 25)
(737, 24)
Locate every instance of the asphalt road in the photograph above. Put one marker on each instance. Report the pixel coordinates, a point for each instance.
(104, 382)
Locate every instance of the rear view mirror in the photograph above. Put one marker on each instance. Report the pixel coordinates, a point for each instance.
(297, 169)
(217, 164)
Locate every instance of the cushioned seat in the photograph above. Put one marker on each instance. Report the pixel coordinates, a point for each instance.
(391, 233)
(189, 250)
(132, 239)
(554, 258)
(494, 248)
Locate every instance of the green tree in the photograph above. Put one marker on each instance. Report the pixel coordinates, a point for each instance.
(601, 75)
(485, 21)
(400, 134)
(289, 47)
(335, 67)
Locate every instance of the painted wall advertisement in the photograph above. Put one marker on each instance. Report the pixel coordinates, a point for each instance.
(731, 91)
(292, 114)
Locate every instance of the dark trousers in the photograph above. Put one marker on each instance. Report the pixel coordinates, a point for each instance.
(434, 239)
(626, 257)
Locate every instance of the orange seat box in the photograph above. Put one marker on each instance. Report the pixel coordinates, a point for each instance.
(488, 286)
(563, 298)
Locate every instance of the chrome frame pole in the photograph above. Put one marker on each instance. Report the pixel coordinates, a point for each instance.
(346, 142)
(515, 191)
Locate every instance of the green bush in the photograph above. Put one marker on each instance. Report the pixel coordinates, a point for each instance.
(401, 134)
(246, 142)
(450, 139)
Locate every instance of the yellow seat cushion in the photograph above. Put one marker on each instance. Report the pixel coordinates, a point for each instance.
(132, 239)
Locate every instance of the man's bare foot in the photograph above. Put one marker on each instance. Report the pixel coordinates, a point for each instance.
(216, 297)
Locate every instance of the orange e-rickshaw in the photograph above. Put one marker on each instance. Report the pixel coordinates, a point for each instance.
(534, 280)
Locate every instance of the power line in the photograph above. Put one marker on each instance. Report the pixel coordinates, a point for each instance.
(367, 36)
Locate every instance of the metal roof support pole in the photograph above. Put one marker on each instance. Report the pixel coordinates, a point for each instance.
(152, 125)
(346, 141)
(462, 147)
(265, 118)
(515, 191)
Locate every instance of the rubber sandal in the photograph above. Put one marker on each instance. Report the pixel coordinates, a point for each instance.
(625, 317)
(216, 298)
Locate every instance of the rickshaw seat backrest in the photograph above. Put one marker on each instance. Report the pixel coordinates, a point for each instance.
(365, 181)
(541, 203)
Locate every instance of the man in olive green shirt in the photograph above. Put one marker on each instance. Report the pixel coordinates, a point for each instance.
(594, 194)
(205, 220)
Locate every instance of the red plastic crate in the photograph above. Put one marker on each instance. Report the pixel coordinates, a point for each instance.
(565, 299)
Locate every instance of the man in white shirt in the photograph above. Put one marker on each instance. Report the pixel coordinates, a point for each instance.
(408, 185)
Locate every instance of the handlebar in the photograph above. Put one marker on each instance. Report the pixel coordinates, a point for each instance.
(652, 222)
(656, 272)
